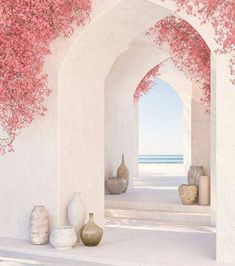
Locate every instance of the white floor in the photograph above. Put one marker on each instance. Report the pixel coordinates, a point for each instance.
(155, 198)
(169, 245)
(158, 239)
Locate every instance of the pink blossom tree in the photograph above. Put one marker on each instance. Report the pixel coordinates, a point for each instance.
(188, 51)
(180, 37)
(26, 30)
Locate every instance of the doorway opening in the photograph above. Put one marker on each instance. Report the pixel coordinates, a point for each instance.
(161, 131)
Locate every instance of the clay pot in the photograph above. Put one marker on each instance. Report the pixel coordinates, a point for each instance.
(91, 234)
(124, 173)
(39, 226)
(63, 237)
(115, 185)
(188, 194)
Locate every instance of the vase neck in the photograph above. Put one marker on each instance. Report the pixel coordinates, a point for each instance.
(91, 217)
(123, 161)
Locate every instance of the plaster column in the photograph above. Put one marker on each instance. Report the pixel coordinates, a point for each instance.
(200, 131)
(121, 114)
(225, 161)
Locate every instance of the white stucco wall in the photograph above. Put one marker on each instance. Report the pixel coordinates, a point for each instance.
(81, 99)
(200, 131)
(121, 119)
(121, 114)
(225, 162)
(29, 175)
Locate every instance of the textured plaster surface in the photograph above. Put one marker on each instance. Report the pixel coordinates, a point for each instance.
(30, 175)
(168, 245)
(81, 99)
(121, 113)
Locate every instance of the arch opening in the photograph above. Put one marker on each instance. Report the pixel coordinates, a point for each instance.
(127, 28)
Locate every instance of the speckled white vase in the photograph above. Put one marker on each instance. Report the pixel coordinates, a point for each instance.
(63, 237)
(77, 213)
(39, 226)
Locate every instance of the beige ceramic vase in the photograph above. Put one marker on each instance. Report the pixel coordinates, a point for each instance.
(188, 194)
(39, 226)
(204, 190)
(194, 174)
(124, 173)
(115, 185)
(91, 234)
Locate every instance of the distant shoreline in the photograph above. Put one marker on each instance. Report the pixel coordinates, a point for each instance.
(159, 159)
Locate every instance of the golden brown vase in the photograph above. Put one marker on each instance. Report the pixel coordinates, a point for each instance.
(91, 233)
(123, 172)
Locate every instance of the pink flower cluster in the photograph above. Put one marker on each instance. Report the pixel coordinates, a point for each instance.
(26, 30)
(188, 51)
(220, 13)
(147, 82)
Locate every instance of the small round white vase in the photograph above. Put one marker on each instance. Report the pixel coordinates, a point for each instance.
(77, 213)
(63, 237)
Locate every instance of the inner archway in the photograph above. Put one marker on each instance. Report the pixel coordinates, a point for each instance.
(160, 129)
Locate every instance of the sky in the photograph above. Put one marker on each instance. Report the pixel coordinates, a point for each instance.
(160, 121)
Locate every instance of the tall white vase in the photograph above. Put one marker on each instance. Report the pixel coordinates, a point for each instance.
(77, 213)
(204, 190)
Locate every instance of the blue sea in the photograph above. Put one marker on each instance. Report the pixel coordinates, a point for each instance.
(177, 159)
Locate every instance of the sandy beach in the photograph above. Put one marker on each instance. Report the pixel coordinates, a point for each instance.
(162, 169)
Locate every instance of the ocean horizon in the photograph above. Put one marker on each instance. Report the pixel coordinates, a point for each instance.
(151, 159)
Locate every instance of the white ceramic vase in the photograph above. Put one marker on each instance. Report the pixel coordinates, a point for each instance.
(204, 190)
(63, 237)
(39, 226)
(77, 213)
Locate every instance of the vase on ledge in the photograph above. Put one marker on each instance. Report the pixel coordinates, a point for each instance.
(204, 190)
(115, 185)
(77, 213)
(123, 172)
(39, 226)
(194, 174)
(91, 233)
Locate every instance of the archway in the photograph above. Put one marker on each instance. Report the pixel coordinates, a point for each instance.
(161, 131)
(79, 103)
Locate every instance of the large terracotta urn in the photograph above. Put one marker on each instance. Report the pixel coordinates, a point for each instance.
(39, 226)
(77, 213)
(123, 172)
